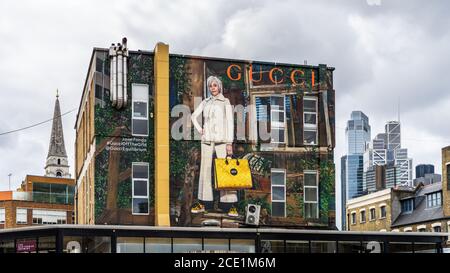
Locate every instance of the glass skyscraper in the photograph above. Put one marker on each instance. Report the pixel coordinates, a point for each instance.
(357, 135)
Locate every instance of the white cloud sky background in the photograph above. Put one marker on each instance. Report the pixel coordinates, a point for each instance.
(382, 54)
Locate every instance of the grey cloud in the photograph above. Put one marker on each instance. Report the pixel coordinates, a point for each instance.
(381, 53)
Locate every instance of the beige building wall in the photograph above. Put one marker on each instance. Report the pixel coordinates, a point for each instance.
(84, 152)
(365, 204)
(426, 226)
(445, 181)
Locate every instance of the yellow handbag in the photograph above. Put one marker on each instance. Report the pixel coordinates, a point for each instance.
(232, 174)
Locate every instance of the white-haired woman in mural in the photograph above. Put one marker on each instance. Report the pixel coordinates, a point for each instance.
(216, 136)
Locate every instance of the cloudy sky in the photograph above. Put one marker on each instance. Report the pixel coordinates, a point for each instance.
(383, 51)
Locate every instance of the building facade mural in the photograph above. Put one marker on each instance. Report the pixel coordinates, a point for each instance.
(281, 123)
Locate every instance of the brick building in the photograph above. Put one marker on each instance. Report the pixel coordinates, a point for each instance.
(45, 199)
(423, 208)
(131, 170)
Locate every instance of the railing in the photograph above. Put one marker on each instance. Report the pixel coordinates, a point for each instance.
(53, 198)
(44, 197)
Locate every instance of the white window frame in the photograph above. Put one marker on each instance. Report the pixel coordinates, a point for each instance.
(26, 216)
(385, 211)
(132, 187)
(433, 198)
(278, 125)
(309, 127)
(407, 229)
(283, 171)
(133, 100)
(353, 220)
(273, 125)
(419, 227)
(46, 215)
(2, 215)
(361, 219)
(312, 187)
(374, 215)
(407, 200)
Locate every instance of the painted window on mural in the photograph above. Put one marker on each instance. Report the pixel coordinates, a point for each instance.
(139, 109)
(2, 215)
(311, 194)
(278, 181)
(21, 216)
(49, 217)
(271, 117)
(140, 188)
(310, 120)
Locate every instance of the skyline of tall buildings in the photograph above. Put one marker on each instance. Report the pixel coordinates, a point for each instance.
(357, 134)
(370, 165)
(386, 151)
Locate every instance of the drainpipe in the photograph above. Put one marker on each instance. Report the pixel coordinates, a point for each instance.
(125, 72)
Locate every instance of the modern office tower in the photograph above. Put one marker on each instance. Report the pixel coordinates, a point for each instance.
(385, 150)
(404, 165)
(379, 152)
(343, 191)
(357, 135)
(393, 136)
(423, 169)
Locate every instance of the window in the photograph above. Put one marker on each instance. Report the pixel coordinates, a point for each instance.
(407, 205)
(2, 215)
(242, 245)
(130, 245)
(437, 227)
(421, 229)
(21, 216)
(140, 188)
(158, 245)
(448, 176)
(353, 218)
(372, 214)
(362, 215)
(311, 194)
(139, 111)
(382, 212)
(434, 199)
(59, 161)
(271, 113)
(278, 180)
(49, 217)
(186, 245)
(310, 120)
(58, 174)
(98, 91)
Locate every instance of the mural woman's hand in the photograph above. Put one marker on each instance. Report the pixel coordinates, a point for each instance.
(229, 149)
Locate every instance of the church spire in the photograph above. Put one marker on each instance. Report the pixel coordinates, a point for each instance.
(57, 164)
